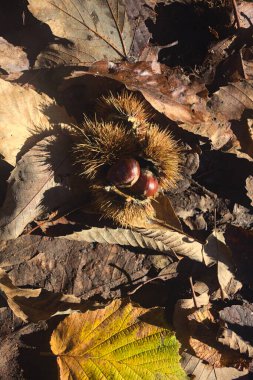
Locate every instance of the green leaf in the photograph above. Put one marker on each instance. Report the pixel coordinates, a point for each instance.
(118, 342)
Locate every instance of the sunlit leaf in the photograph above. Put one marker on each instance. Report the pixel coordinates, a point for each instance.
(118, 342)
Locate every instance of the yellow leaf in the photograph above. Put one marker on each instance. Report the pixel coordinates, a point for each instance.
(118, 342)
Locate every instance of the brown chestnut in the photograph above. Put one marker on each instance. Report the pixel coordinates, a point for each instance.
(125, 172)
(146, 185)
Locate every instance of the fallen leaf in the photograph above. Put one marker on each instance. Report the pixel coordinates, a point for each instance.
(33, 111)
(225, 268)
(179, 244)
(12, 345)
(172, 93)
(118, 341)
(245, 8)
(40, 181)
(197, 330)
(72, 267)
(233, 99)
(203, 371)
(91, 31)
(241, 315)
(206, 353)
(37, 304)
(249, 188)
(13, 59)
(235, 342)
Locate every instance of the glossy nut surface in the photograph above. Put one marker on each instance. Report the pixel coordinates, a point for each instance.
(124, 172)
(146, 185)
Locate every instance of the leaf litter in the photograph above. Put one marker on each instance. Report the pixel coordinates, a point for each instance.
(57, 254)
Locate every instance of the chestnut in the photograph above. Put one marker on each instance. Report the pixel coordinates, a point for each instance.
(146, 185)
(125, 172)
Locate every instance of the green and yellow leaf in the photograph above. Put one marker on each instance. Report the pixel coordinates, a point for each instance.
(118, 342)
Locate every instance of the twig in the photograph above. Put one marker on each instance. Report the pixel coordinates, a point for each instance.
(193, 293)
(236, 14)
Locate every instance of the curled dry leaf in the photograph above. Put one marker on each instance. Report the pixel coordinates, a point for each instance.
(21, 113)
(119, 341)
(13, 59)
(36, 304)
(89, 31)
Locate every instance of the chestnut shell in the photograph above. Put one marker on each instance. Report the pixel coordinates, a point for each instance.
(125, 172)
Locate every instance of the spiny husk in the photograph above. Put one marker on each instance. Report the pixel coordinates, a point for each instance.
(127, 107)
(123, 211)
(100, 144)
(163, 151)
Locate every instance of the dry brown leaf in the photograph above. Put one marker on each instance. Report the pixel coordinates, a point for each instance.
(36, 304)
(166, 240)
(245, 8)
(13, 59)
(74, 267)
(21, 113)
(233, 99)
(89, 31)
(225, 269)
(40, 181)
(203, 351)
(202, 371)
(235, 342)
(173, 94)
(165, 213)
(249, 188)
(197, 330)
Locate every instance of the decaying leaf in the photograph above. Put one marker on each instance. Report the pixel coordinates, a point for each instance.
(22, 112)
(73, 267)
(12, 335)
(36, 304)
(89, 31)
(12, 58)
(120, 341)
